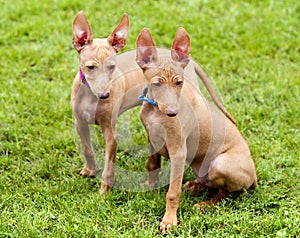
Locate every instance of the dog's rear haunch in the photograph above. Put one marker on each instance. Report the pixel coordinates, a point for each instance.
(185, 127)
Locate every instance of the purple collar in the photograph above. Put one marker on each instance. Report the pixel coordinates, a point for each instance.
(82, 77)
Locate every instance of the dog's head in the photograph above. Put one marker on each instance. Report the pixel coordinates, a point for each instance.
(164, 76)
(97, 57)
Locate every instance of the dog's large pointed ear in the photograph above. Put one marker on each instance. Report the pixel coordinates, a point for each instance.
(181, 47)
(146, 53)
(117, 39)
(82, 33)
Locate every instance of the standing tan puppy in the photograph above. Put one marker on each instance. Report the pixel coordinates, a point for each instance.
(185, 127)
(106, 85)
(101, 92)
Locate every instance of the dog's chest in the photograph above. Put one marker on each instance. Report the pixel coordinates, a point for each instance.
(151, 117)
(158, 131)
(89, 108)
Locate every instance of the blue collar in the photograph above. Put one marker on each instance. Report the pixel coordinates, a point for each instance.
(145, 99)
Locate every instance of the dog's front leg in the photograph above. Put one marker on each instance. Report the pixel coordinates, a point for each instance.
(153, 166)
(110, 139)
(173, 194)
(83, 131)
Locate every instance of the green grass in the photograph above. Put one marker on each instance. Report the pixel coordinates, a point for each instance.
(251, 51)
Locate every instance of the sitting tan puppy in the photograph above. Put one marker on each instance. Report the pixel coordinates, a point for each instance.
(184, 127)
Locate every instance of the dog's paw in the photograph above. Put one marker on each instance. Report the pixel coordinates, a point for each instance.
(105, 189)
(167, 223)
(193, 186)
(203, 205)
(220, 196)
(85, 172)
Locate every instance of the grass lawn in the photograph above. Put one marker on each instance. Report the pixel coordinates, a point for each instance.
(251, 50)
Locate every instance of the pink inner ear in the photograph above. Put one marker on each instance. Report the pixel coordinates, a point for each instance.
(182, 52)
(146, 50)
(144, 54)
(119, 41)
(183, 49)
(82, 39)
(181, 46)
(82, 33)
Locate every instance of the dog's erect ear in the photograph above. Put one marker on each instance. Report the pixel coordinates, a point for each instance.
(181, 47)
(146, 52)
(117, 39)
(82, 33)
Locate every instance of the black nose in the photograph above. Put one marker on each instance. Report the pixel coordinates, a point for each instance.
(103, 95)
(172, 112)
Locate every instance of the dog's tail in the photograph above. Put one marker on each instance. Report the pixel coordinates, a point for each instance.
(200, 72)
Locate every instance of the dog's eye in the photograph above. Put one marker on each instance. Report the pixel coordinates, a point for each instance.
(157, 84)
(179, 83)
(111, 67)
(90, 67)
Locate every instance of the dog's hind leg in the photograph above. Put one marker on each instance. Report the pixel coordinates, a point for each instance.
(229, 173)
